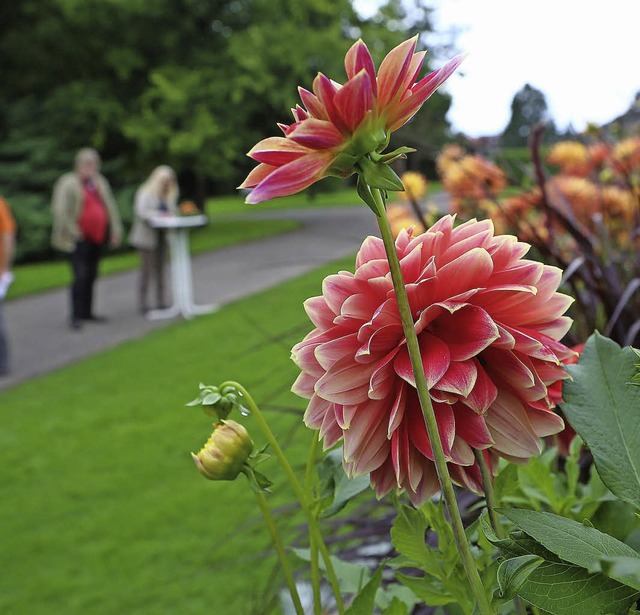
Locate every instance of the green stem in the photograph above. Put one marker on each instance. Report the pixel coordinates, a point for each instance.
(427, 411)
(489, 494)
(313, 549)
(490, 498)
(314, 529)
(284, 561)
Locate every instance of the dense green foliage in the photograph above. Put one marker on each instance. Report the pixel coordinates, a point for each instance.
(189, 83)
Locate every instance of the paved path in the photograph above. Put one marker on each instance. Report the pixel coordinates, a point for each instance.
(41, 341)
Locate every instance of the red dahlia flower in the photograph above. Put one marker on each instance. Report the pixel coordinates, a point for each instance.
(340, 124)
(488, 324)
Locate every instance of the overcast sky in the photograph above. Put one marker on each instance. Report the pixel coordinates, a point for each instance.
(584, 55)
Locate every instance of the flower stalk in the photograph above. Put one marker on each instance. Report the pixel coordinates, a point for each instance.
(314, 529)
(282, 556)
(313, 549)
(427, 408)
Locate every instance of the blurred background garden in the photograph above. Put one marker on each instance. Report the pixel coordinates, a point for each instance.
(102, 510)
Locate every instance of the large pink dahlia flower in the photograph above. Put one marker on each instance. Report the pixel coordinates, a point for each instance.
(488, 323)
(341, 123)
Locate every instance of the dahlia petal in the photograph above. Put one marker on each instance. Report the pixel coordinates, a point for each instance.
(484, 392)
(435, 360)
(383, 339)
(256, 175)
(505, 365)
(526, 273)
(330, 431)
(504, 298)
(358, 306)
(292, 177)
(316, 134)
(466, 332)
(378, 268)
(372, 249)
(303, 385)
(470, 270)
(506, 250)
(313, 105)
(400, 453)
(460, 378)
(462, 453)
(471, 427)
(386, 314)
(411, 265)
(325, 90)
(357, 59)
(315, 412)
(346, 382)
(277, 151)
(383, 478)
(354, 100)
(329, 353)
(397, 410)
(337, 288)
(427, 488)
(418, 430)
(383, 377)
(319, 312)
(545, 422)
(421, 91)
(393, 70)
(511, 429)
(365, 442)
(303, 355)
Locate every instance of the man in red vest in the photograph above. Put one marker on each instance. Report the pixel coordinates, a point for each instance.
(7, 248)
(85, 219)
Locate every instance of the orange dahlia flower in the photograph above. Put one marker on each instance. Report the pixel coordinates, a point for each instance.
(488, 323)
(340, 125)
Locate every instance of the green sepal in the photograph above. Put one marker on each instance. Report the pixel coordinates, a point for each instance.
(396, 154)
(364, 192)
(379, 175)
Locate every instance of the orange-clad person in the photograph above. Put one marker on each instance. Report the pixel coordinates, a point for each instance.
(7, 250)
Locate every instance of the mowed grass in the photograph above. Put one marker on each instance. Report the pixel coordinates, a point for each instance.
(103, 511)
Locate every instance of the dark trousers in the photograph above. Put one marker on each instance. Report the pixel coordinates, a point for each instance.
(84, 268)
(152, 266)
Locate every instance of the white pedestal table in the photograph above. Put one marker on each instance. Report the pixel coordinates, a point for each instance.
(177, 228)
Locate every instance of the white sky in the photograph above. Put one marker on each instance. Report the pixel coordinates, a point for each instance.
(584, 55)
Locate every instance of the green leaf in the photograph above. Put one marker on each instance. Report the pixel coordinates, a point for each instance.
(337, 488)
(623, 569)
(396, 607)
(561, 588)
(512, 573)
(605, 412)
(364, 602)
(427, 588)
(408, 538)
(569, 540)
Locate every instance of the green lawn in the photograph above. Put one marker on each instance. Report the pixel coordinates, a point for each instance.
(103, 512)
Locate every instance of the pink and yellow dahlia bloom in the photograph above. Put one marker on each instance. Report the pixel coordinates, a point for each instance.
(488, 323)
(342, 123)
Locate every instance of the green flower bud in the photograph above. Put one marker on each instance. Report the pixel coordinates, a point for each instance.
(225, 453)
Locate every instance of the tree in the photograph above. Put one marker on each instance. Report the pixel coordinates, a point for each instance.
(528, 108)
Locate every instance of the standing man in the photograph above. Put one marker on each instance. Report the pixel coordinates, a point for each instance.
(85, 219)
(7, 249)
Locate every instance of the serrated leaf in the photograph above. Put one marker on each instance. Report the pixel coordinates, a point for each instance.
(364, 602)
(605, 412)
(408, 538)
(512, 574)
(427, 588)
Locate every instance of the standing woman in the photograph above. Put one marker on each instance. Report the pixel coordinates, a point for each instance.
(157, 197)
